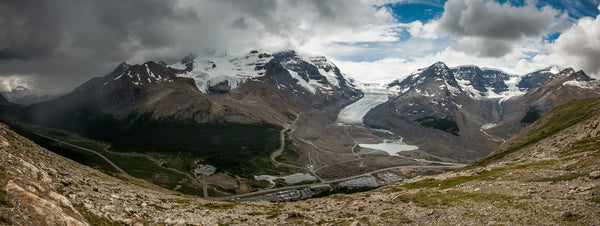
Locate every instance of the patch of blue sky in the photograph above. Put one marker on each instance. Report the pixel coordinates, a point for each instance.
(529, 55)
(518, 3)
(409, 11)
(551, 37)
(576, 9)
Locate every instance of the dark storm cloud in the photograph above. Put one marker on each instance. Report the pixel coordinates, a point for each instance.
(72, 40)
(26, 30)
(107, 28)
(281, 17)
(490, 28)
(239, 23)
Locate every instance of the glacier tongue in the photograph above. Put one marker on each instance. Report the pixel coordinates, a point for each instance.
(375, 95)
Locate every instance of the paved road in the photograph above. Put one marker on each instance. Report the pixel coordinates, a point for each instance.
(457, 166)
(85, 149)
(280, 150)
(282, 146)
(205, 189)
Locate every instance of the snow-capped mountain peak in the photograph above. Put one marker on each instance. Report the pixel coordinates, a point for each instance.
(223, 68)
(147, 73)
(311, 72)
(554, 69)
(435, 80)
(482, 83)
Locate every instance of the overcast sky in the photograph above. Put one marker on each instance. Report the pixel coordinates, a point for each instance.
(54, 46)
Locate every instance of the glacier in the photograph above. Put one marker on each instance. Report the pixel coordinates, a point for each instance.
(374, 95)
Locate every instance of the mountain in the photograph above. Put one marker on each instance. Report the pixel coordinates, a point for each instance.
(17, 93)
(219, 89)
(286, 81)
(33, 98)
(546, 174)
(465, 112)
(227, 111)
(556, 89)
(4, 103)
(430, 111)
(538, 78)
(485, 83)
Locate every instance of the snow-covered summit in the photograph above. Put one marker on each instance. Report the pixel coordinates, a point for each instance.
(310, 72)
(436, 80)
(487, 83)
(212, 70)
(478, 83)
(147, 73)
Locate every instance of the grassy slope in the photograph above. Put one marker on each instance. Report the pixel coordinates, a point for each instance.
(550, 123)
(532, 185)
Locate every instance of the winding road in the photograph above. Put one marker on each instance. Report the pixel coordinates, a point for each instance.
(85, 149)
(196, 181)
(276, 153)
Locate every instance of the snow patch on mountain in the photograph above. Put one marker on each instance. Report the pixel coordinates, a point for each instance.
(225, 68)
(302, 82)
(293, 63)
(554, 69)
(580, 84)
(325, 67)
(513, 90)
(211, 70)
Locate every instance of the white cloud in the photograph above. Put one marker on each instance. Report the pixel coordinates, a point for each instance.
(577, 47)
(417, 29)
(8, 83)
(389, 69)
(487, 28)
(278, 24)
(383, 2)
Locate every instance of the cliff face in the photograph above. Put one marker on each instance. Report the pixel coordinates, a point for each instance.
(547, 174)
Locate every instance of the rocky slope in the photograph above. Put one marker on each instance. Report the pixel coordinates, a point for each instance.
(548, 174)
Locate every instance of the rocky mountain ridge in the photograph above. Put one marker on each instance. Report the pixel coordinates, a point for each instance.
(465, 112)
(218, 89)
(219, 74)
